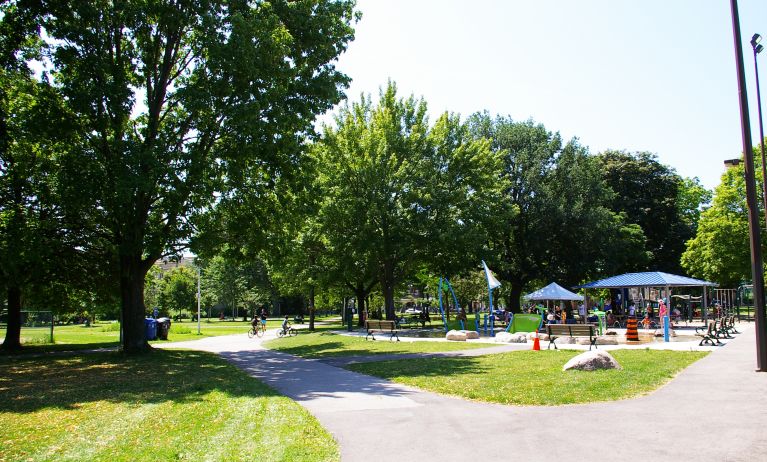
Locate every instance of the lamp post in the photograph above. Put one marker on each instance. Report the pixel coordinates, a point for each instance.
(753, 211)
(758, 49)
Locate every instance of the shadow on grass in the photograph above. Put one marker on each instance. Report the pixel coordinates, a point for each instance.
(31, 384)
(422, 367)
(57, 347)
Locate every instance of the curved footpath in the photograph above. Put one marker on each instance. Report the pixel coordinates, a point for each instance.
(716, 409)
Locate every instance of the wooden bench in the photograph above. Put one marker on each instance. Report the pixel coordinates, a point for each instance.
(383, 326)
(571, 330)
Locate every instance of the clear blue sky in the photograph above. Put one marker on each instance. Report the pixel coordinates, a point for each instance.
(639, 75)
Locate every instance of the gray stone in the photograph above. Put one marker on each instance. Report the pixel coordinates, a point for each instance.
(470, 334)
(456, 335)
(591, 361)
(565, 341)
(605, 340)
(505, 337)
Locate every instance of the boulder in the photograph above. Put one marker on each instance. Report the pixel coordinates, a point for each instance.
(456, 335)
(591, 361)
(605, 340)
(519, 337)
(505, 337)
(470, 334)
(565, 341)
(543, 337)
(611, 332)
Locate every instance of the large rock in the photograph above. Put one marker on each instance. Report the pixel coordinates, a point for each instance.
(470, 334)
(456, 335)
(565, 340)
(505, 337)
(591, 361)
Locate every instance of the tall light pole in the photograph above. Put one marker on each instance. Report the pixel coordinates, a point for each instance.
(757, 49)
(753, 211)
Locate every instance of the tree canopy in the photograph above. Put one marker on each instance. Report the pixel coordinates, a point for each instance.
(184, 105)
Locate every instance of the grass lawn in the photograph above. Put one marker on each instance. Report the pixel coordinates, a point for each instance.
(323, 344)
(535, 377)
(107, 334)
(166, 405)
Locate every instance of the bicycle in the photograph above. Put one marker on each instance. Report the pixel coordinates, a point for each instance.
(255, 331)
(291, 332)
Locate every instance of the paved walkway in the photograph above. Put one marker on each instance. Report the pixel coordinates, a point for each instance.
(714, 410)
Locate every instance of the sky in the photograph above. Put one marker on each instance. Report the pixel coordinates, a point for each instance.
(634, 75)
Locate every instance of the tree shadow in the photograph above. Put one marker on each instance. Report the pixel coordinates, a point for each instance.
(66, 382)
(431, 366)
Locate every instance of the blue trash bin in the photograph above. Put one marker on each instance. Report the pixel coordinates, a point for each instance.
(151, 328)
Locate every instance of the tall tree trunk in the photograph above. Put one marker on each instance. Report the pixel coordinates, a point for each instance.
(362, 296)
(515, 296)
(132, 273)
(12, 340)
(311, 308)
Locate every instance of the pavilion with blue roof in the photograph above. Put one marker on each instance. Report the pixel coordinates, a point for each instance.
(657, 279)
(647, 279)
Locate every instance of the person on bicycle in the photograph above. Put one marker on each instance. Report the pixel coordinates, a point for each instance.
(285, 325)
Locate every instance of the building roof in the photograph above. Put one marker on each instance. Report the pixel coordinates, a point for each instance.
(648, 279)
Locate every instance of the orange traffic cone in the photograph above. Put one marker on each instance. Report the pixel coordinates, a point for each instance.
(536, 342)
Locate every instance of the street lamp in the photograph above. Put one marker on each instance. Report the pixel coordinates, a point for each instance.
(757, 49)
(757, 269)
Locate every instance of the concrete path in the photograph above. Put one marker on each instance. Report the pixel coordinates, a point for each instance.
(715, 410)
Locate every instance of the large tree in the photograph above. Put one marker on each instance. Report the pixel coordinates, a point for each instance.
(551, 222)
(655, 197)
(383, 205)
(720, 249)
(185, 102)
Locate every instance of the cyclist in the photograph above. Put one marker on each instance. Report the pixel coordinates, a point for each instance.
(285, 325)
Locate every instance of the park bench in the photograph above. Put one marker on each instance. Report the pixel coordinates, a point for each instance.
(709, 336)
(383, 326)
(571, 330)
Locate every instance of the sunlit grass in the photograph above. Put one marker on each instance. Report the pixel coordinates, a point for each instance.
(324, 344)
(167, 405)
(535, 377)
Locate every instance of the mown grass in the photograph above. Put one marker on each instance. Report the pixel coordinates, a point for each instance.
(535, 377)
(167, 405)
(323, 343)
(107, 334)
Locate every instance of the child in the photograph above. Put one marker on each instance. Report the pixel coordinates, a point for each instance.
(646, 321)
(285, 324)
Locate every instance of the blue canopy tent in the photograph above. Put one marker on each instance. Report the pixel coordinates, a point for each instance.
(656, 279)
(553, 291)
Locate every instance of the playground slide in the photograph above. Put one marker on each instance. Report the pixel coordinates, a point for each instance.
(525, 323)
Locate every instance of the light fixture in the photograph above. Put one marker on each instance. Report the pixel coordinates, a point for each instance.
(755, 40)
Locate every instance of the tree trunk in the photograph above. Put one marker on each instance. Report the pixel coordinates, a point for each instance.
(12, 340)
(361, 295)
(311, 308)
(514, 297)
(387, 286)
(132, 273)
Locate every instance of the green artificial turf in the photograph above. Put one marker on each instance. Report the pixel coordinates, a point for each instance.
(166, 405)
(535, 377)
